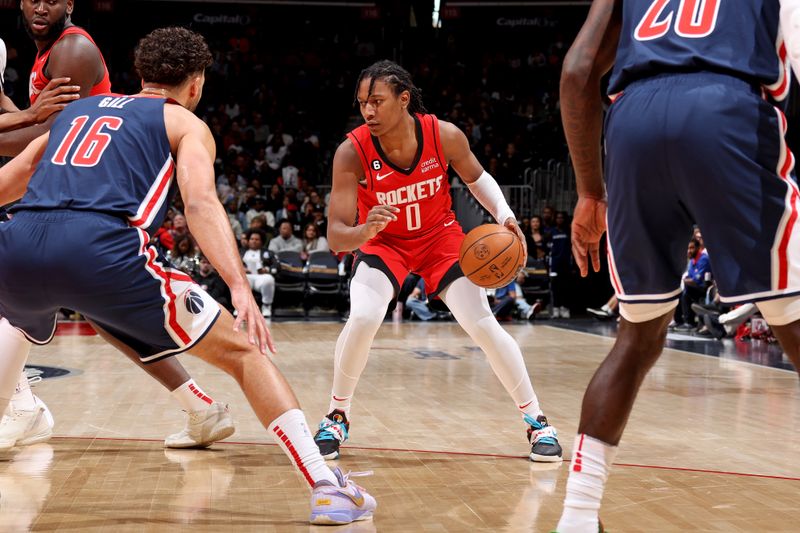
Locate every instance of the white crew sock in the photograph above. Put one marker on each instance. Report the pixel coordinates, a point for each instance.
(23, 399)
(588, 472)
(192, 397)
(290, 431)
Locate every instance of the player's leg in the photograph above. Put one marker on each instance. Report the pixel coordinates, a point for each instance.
(207, 421)
(646, 263)
(16, 429)
(470, 307)
(783, 316)
(370, 293)
(335, 499)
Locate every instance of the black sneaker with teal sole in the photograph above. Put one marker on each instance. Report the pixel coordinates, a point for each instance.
(544, 440)
(332, 432)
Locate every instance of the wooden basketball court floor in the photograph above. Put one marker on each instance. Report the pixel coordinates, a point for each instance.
(712, 445)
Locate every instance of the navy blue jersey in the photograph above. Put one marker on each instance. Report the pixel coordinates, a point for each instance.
(107, 154)
(737, 37)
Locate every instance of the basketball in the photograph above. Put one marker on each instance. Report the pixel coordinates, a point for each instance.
(491, 255)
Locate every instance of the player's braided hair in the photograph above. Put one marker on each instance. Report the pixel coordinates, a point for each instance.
(169, 56)
(397, 78)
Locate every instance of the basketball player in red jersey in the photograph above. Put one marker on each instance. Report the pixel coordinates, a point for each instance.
(392, 171)
(67, 51)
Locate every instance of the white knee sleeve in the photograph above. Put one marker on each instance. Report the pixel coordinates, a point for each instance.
(470, 307)
(370, 294)
(781, 311)
(14, 350)
(638, 313)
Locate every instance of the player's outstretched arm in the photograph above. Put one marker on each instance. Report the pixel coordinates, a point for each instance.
(15, 175)
(207, 219)
(481, 184)
(53, 99)
(343, 235)
(589, 58)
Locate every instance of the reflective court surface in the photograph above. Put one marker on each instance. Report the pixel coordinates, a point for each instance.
(712, 445)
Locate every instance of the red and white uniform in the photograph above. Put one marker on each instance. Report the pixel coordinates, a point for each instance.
(38, 80)
(426, 237)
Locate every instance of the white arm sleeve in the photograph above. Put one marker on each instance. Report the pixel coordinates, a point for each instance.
(790, 28)
(488, 193)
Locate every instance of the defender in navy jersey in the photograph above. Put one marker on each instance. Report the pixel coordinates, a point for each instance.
(695, 134)
(96, 190)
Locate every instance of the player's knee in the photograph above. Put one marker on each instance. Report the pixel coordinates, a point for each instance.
(781, 311)
(365, 319)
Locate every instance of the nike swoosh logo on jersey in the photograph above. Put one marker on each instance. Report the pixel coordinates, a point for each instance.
(379, 177)
(448, 223)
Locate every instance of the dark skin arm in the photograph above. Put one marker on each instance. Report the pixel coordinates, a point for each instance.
(589, 58)
(73, 57)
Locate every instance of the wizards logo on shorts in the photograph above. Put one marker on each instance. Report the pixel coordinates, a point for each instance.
(194, 302)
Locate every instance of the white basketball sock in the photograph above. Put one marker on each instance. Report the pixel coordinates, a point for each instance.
(591, 461)
(23, 399)
(14, 350)
(191, 397)
(290, 431)
(470, 307)
(370, 294)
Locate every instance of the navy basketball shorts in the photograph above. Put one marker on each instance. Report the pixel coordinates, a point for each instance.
(99, 266)
(700, 148)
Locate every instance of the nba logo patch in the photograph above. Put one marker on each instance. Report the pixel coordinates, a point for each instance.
(193, 302)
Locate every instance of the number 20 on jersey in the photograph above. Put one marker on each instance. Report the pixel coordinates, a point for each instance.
(691, 19)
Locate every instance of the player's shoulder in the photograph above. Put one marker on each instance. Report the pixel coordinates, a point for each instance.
(77, 45)
(451, 135)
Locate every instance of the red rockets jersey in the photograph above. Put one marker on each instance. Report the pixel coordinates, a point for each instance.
(422, 192)
(38, 80)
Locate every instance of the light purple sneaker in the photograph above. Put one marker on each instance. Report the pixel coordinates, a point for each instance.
(344, 504)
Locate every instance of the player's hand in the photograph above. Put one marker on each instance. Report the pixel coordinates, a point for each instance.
(588, 226)
(511, 224)
(378, 218)
(53, 98)
(247, 311)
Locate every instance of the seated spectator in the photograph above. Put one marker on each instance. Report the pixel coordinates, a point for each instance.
(230, 185)
(162, 238)
(526, 310)
(313, 241)
(560, 246)
(607, 311)
(179, 227)
(503, 301)
(694, 286)
(256, 263)
(285, 240)
(417, 303)
(536, 239)
(258, 207)
(232, 208)
(209, 279)
(183, 255)
(288, 211)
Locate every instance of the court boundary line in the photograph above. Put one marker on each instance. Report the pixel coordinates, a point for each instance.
(757, 365)
(445, 452)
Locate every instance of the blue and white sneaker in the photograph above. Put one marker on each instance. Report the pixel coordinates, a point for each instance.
(544, 440)
(344, 504)
(333, 431)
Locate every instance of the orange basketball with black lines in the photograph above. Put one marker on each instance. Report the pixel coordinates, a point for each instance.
(491, 255)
